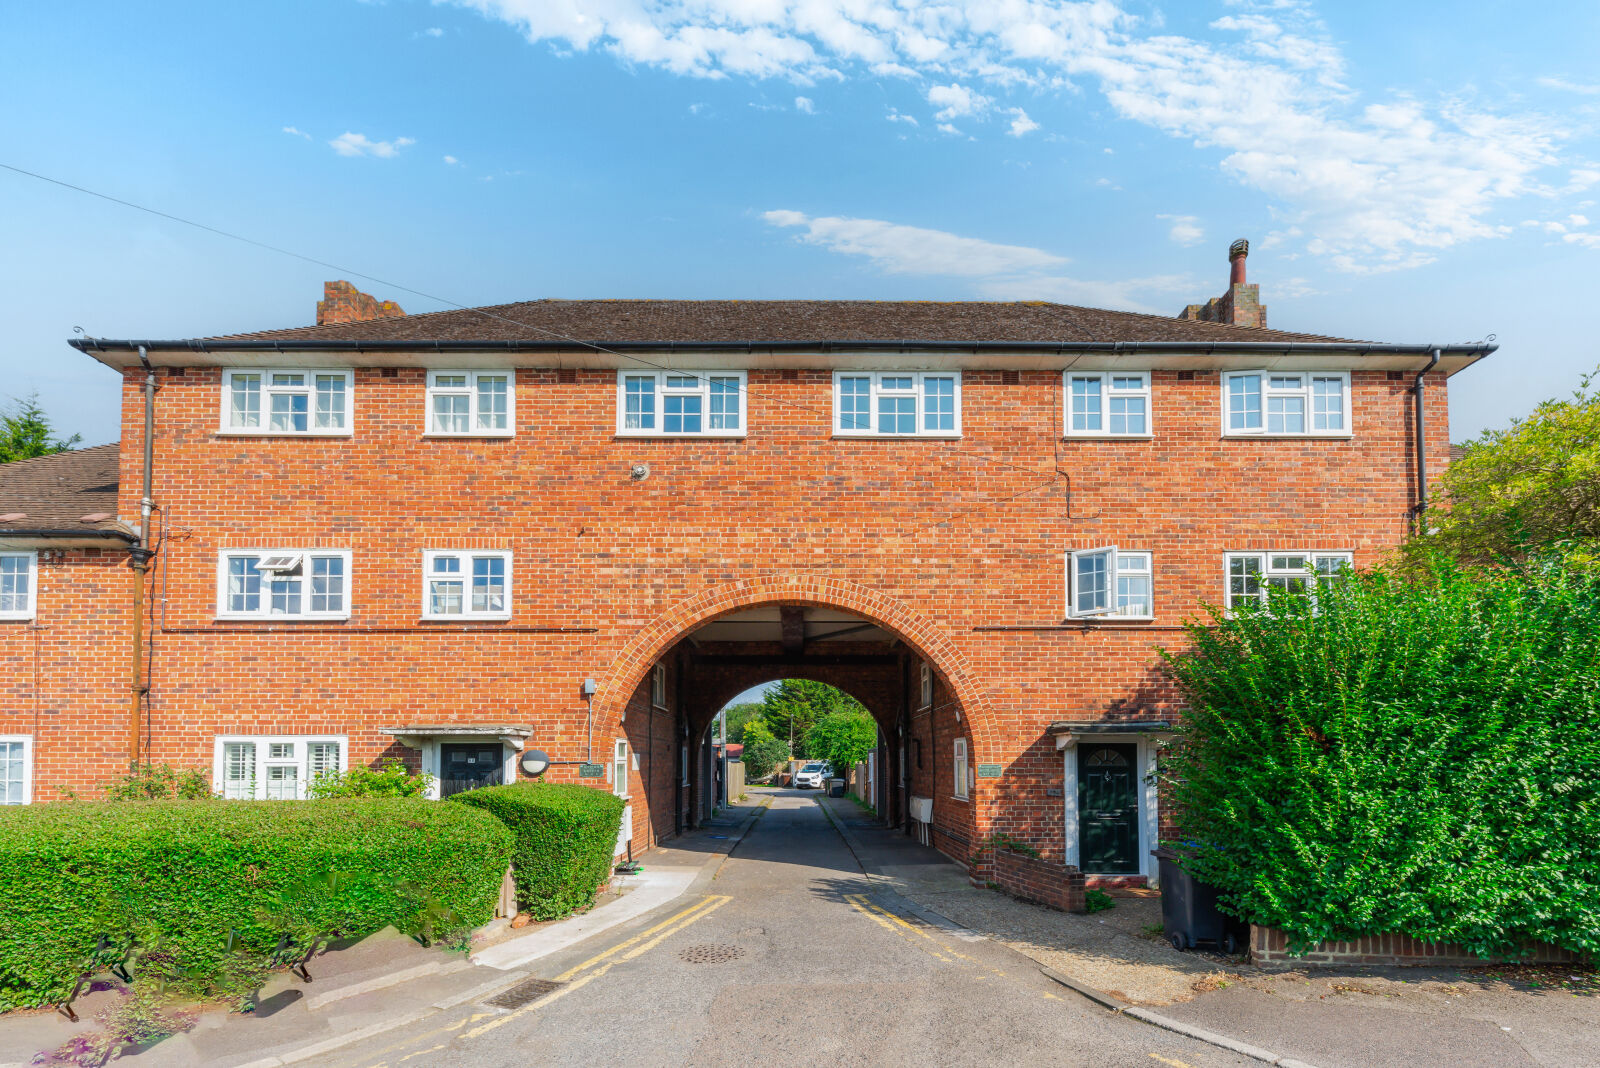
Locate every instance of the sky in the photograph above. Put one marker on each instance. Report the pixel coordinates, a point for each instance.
(1404, 172)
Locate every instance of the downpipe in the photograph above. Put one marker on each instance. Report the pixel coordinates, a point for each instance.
(140, 555)
(1418, 388)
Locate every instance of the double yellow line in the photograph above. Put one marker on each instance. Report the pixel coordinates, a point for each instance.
(890, 921)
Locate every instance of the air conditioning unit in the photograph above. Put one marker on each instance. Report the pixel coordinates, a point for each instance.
(922, 809)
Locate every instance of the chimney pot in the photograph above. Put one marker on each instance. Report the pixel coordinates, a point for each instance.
(1236, 257)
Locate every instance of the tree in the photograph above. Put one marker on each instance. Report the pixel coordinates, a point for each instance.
(738, 715)
(762, 752)
(843, 739)
(797, 704)
(1519, 491)
(25, 432)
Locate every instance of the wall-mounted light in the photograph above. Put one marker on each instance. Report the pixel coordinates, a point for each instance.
(534, 761)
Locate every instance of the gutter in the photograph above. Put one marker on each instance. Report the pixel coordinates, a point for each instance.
(1360, 348)
(121, 535)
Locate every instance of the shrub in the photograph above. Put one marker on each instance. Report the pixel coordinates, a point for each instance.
(566, 838)
(1415, 757)
(196, 883)
(156, 782)
(389, 779)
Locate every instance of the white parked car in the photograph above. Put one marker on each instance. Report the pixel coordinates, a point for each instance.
(811, 775)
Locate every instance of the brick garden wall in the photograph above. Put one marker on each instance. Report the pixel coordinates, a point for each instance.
(1268, 945)
(956, 548)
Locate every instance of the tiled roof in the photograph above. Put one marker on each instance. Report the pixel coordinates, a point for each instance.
(63, 493)
(776, 321)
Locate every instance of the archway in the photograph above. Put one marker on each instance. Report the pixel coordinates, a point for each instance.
(934, 719)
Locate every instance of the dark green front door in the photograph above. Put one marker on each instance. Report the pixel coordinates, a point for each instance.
(1108, 809)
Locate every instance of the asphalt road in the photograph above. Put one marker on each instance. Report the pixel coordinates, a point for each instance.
(787, 961)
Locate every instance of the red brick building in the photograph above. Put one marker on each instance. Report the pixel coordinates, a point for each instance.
(582, 526)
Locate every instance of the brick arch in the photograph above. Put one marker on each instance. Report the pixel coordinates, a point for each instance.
(890, 613)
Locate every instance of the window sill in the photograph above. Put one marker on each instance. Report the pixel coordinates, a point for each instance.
(492, 435)
(1226, 436)
(1108, 437)
(224, 618)
(465, 619)
(659, 435)
(8, 618)
(958, 797)
(1109, 617)
(233, 432)
(839, 435)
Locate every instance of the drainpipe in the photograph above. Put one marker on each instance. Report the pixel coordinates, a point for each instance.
(140, 554)
(1422, 444)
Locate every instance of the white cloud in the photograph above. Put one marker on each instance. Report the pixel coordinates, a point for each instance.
(898, 249)
(1582, 88)
(1186, 229)
(896, 116)
(804, 104)
(945, 127)
(297, 133)
(1375, 183)
(354, 144)
(1578, 220)
(451, 160)
(1020, 123)
(434, 31)
(954, 101)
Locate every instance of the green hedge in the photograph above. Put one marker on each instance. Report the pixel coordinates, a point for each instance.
(1416, 757)
(566, 837)
(181, 875)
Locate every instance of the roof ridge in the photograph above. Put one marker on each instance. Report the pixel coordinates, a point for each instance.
(14, 464)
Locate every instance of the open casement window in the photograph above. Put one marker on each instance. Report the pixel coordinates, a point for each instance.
(1286, 404)
(471, 403)
(959, 770)
(1251, 575)
(674, 404)
(925, 687)
(466, 584)
(283, 584)
(16, 769)
(275, 769)
(897, 404)
(19, 579)
(619, 768)
(1108, 404)
(278, 401)
(1110, 582)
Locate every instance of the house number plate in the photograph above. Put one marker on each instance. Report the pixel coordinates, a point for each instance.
(591, 771)
(988, 771)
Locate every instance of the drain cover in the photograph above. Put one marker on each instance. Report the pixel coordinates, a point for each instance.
(706, 953)
(524, 993)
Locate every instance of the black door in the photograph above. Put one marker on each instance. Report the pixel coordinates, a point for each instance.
(467, 767)
(1108, 809)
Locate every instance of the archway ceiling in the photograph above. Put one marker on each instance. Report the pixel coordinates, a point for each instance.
(768, 623)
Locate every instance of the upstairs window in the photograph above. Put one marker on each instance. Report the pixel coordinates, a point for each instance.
(897, 404)
(1109, 404)
(960, 776)
(680, 403)
(925, 687)
(1291, 404)
(274, 768)
(283, 584)
(274, 401)
(1251, 575)
(470, 403)
(18, 579)
(1110, 582)
(466, 585)
(658, 686)
(619, 768)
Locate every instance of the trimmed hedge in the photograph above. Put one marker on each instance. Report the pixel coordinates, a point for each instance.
(184, 874)
(566, 837)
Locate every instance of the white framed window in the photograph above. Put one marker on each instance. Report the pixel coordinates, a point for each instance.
(1252, 574)
(274, 768)
(1109, 581)
(658, 686)
(1286, 404)
(683, 764)
(474, 404)
(19, 582)
(900, 404)
(619, 768)
(283, 584)
(466, 584)
(1108, 404)
(960, 770)
(707, 404)
(925, 685)
(277, 400)
(16, 769)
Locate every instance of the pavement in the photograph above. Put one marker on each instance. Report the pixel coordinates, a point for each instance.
(806, 927)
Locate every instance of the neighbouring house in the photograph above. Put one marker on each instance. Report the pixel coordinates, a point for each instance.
(582, 526)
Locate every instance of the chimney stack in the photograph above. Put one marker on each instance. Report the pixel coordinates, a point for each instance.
(343, 303)
(1241, 304)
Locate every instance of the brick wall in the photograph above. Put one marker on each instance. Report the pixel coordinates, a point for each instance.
(1043, 882)
(1268, 945)
(954, 549)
